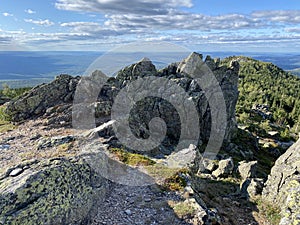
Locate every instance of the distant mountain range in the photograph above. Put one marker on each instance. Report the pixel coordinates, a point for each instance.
(31, 68)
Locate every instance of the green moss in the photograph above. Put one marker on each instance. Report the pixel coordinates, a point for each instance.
(131, 158)
(183, 209)
(175, 182)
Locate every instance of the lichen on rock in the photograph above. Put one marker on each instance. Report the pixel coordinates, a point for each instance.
(59, 191)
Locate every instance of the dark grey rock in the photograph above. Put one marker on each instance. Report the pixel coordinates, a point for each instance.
(39, 99)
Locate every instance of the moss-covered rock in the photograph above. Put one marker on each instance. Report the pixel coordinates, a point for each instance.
(58, 191)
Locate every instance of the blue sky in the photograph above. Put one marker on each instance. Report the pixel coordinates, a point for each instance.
(227, 25)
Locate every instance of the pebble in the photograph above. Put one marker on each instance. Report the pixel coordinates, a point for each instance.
(128, 212)
(16, 172)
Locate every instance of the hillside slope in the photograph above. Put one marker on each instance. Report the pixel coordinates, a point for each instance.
(266, 84)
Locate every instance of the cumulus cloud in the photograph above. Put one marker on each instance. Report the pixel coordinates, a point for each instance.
(30, 11)
(178, 21)
(40, 22)
(6, 14)
(141, 7)
(279, 16)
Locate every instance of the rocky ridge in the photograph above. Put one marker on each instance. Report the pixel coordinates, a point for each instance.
(58, 168)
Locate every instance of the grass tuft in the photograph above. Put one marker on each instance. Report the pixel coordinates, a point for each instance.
(131, 158)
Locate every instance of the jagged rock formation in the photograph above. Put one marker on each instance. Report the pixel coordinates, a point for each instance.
(283, 185)
(45, 98)
(42, 97)
(58, 191)
(181, 74)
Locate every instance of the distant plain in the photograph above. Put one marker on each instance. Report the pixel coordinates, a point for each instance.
(19, 69)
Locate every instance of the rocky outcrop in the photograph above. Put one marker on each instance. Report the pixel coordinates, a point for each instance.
(283, 185)
(39, 99)
(58, 191)
(181, 74)
(162, 101)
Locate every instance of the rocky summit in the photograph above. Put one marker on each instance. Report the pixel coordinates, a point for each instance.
(64, 161)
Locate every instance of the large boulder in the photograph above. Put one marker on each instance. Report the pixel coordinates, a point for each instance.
(283, 185)
(58, 191)
(39, 99)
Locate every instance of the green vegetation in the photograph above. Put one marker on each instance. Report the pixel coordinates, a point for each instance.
(182, 209)
(271, 212)
(171, 179)
(131, 158)
(175, 182)
(8, 93)
(266, 84)
(12, 93)
(5, 124)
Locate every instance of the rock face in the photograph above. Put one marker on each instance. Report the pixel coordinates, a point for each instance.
(181, 75)
(59, 191)
(283, 185)
(42, 97)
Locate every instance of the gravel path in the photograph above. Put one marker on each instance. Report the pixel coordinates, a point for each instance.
(147, 205)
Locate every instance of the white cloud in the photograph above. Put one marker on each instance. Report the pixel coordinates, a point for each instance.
(79, 24)
(40, 22)
(7, 14)
(30, 11)
(162, 20)
(141, 7)
(279, 16)
(82, 40)
(178, 21)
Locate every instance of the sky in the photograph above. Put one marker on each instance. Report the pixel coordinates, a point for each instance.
(99, 25)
